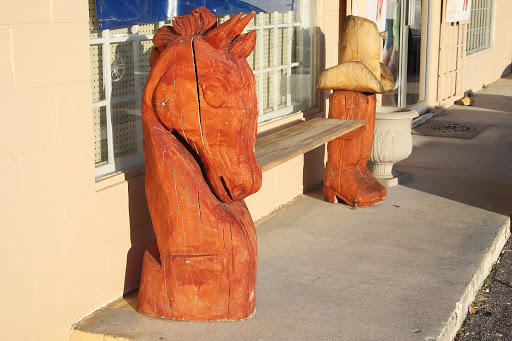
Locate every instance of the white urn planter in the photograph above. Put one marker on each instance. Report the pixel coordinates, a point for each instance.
(392, 142)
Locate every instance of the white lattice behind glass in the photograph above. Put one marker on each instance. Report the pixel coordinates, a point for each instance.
(120, 67)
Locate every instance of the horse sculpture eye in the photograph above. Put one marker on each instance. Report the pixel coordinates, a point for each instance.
(215, 94)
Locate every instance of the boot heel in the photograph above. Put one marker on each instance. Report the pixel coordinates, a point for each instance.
(330, 195)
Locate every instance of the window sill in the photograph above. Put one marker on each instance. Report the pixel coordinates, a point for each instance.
(476, 54)
(264, 129)
(116, 178)
(284, 122)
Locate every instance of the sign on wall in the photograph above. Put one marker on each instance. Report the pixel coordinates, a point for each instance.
(122, 13)
(458, 10)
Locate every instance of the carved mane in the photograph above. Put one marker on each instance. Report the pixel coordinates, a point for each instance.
(202, 22)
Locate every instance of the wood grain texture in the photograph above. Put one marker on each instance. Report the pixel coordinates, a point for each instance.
(360, 68)
(361, 42)
(346, 174)
(356, 76)
(199, 115)
(277, 148)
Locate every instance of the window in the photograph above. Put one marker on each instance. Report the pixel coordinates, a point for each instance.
(282, 62)
(479, 29)
(119, 69)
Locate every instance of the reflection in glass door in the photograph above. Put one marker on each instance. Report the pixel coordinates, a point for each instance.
(404, 51)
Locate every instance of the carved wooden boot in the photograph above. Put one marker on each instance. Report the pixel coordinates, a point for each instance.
(355, 81)
(346, 175)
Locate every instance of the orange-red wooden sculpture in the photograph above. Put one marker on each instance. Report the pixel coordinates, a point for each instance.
(355, 82)
(199, 123)
(346, 174)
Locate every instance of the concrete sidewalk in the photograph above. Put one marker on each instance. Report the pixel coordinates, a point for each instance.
(405, 269)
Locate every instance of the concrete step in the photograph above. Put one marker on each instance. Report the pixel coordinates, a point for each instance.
(406, 269)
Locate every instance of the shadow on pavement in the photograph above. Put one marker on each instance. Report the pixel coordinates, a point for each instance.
(476, 172)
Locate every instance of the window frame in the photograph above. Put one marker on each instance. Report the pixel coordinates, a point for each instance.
(477, 40)
(105, 38)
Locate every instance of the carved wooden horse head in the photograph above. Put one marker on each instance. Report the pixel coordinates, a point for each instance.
(202, 88)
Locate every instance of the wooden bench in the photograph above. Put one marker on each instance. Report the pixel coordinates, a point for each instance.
(277, 148)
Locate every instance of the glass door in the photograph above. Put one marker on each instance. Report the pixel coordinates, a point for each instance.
(404, 51)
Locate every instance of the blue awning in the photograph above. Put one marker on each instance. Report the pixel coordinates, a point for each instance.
(121, 13)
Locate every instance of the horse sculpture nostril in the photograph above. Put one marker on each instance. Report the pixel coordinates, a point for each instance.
(239, 192)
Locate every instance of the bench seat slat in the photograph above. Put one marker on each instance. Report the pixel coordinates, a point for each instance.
(277, 148)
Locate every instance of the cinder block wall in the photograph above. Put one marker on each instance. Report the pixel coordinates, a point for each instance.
(54, 256)
(491, 64)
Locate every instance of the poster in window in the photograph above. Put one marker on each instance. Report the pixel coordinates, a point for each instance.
(458, 10)
(375, 10)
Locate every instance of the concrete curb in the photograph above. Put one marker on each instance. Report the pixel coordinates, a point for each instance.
(78, 335)
(454, 322)
(421, 119)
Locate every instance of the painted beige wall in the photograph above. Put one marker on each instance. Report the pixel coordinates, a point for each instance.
(71, 245)
(54, 267)
(487, 66)
(434, 32)
(480, 68)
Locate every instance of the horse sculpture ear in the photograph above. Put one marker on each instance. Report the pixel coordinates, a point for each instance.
(221, 36)
(240, 25)
(194, 23)
(155, 54)
(243, 45)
